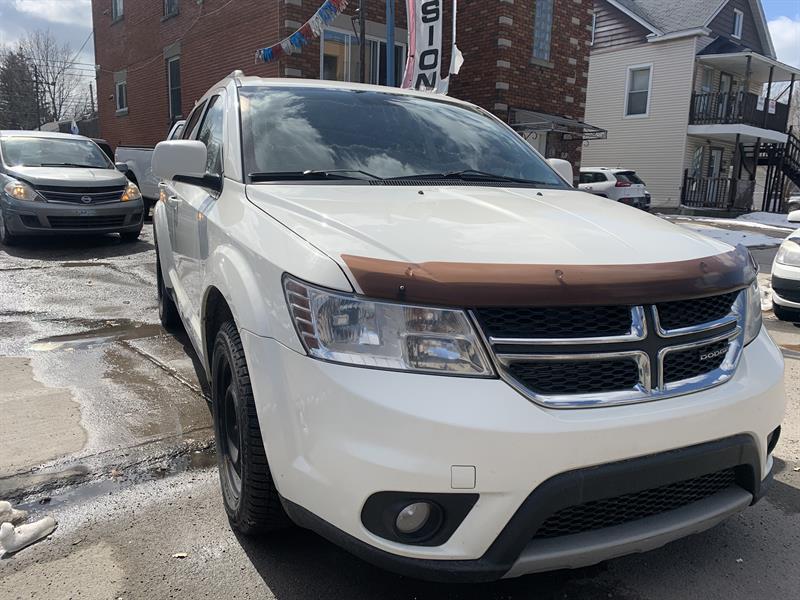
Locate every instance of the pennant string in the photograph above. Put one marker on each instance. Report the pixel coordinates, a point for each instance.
(310, 30)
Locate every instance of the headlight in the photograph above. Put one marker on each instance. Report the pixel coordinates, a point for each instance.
(131, 192)
(753, 320)
(789, 253)
(346, 329)
(19, 190)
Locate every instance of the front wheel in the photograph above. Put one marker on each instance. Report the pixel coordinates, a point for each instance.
(6, 237)
(248, 490)
(167, 311)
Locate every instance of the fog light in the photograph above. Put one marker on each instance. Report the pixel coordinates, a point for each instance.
(413, 517)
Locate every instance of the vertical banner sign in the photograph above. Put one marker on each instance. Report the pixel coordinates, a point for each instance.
(424, 44)
(424, 64)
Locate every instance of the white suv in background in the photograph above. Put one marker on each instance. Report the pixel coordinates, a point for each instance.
(786, 276)
(622, 185)
(432, 350)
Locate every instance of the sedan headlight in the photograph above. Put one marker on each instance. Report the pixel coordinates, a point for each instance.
(789, 253)
(346, 329)
(19, 190)
(753, 319)
(131, 192)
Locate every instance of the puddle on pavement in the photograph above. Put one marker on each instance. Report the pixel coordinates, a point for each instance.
(118, 480)
(114, 331)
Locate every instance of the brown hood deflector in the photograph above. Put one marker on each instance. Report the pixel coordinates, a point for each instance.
(481, 284)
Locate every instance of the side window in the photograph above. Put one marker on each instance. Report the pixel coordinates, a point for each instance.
(191, 123)
(637, 102)
(211, 135)
(586, 178)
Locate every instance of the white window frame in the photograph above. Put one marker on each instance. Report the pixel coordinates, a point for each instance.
(117, 9)
(117, 85)
(631, 68)
(738, 23)
(347, 59)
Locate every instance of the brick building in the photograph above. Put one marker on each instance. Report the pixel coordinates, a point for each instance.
(157, 57)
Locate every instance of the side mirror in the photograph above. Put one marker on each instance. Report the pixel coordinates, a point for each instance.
(563, 168)
(122, 167)
(794, 216)
(179, 157)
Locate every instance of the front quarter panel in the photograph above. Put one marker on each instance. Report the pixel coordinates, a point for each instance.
(249, 252)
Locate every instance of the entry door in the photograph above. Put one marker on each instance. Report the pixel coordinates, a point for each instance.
(714, 170)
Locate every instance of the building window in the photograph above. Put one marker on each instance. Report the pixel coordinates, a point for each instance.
(170, 8)
(738, 21)
(543, 29)
(340, 54)
(174, 86)
(122, 96)
(637, 96)
(116, 10)
(594, 26)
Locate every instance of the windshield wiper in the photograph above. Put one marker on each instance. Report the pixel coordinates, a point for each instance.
(469, 175)
(77, 165)
(314, 175)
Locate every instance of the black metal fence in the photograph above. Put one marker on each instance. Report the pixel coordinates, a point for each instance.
(738, 107)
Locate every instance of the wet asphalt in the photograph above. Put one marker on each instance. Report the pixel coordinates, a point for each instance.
(129, 466)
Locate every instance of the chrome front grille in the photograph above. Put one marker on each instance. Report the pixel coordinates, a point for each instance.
(83, 196)
(647, 352)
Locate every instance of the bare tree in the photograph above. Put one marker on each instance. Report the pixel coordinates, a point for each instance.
(19, 108)
(54, 69)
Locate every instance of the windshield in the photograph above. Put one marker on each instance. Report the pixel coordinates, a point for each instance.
(23, 151)
(379, 134)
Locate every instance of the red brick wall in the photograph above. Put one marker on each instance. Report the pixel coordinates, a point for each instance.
(218, 36)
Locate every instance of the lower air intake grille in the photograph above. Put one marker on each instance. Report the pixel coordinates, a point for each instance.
(100, 222)
(609, 512)
(685, 364)
(551, 378)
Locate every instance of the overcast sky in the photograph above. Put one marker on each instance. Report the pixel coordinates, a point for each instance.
(71, 21)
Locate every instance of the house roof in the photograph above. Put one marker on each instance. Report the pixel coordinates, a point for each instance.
(675, 15)
(665, 17)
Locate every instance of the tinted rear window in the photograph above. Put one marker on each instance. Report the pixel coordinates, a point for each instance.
(294, 129)
(629, 176)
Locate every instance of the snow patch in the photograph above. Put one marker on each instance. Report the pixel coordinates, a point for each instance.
(733, 237)
(769, 219)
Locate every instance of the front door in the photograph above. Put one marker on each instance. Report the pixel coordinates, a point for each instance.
(195, 202)
(714, 170)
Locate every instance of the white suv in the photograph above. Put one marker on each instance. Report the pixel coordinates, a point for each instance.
(426, 346)
(622, 185)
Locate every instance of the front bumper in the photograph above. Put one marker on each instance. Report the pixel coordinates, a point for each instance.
(45, 218)
(786, 285)
(336, 435)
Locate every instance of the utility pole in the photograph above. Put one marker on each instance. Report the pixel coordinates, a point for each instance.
(91, 96)
(362, 26)
(390, 81)
(36, 88)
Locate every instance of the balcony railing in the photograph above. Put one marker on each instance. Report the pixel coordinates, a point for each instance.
(737, 108)
(717, 192)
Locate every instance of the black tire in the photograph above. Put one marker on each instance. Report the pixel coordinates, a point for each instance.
(167, 311)
(792, 315)
(249, 494)
(6, 237)
(130, 236)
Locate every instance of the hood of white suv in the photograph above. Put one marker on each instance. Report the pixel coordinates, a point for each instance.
(68, 176)
(477, 224)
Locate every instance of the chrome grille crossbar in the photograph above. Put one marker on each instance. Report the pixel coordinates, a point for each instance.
(647, 344)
